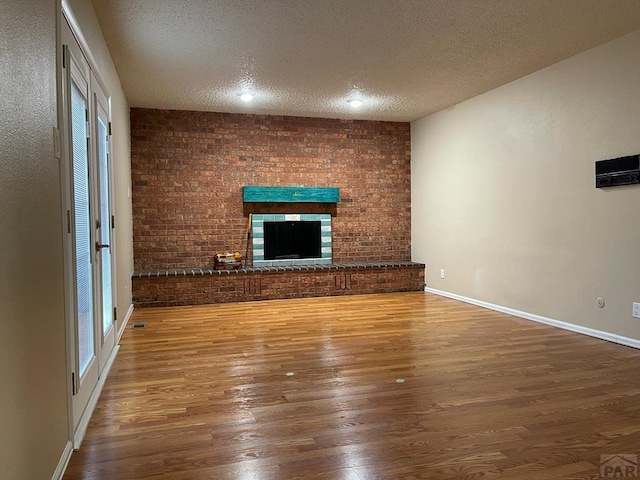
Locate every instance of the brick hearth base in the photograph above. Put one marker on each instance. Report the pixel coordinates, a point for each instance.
(196, 286)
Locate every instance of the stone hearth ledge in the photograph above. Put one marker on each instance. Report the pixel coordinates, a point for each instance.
(196, 271)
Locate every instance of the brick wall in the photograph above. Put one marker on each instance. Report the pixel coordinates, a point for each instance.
(188, 170)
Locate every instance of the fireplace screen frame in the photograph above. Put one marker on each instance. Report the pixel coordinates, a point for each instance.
(257, 227)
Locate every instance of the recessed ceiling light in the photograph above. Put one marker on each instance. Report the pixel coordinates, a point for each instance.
(355, 103)
(246, 97)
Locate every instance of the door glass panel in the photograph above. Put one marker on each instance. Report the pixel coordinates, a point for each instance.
(105, 226)
(82, 224)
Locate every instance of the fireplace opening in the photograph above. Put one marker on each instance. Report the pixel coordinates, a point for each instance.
(281, 239)
(292, 240)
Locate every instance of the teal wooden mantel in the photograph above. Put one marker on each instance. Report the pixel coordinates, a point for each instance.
(291, 194)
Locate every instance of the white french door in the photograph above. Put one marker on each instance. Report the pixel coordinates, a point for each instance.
(89, 247)
(104, 225)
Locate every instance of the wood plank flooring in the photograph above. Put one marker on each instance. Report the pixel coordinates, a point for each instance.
(208, 393)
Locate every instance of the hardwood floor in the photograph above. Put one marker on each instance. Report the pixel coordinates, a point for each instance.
(207, 393)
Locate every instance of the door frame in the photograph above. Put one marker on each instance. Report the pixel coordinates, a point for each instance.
(78, 428)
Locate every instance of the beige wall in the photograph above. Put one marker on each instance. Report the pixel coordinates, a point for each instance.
(504, 199)
(33, 402)
(33, 372)
(120, 145)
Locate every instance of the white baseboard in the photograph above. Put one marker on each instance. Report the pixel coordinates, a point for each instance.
(93, 400)
(125, 322)
(64, 461)
(611, 337)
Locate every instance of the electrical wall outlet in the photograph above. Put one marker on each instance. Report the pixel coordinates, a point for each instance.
(442, 273)
(636, 309)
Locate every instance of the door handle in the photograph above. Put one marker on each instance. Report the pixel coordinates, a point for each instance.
(100, 246)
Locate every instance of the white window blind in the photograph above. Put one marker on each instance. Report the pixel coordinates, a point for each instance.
(105, 228)
(83, 250)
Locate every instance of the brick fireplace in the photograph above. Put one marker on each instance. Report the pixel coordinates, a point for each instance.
(188, 172)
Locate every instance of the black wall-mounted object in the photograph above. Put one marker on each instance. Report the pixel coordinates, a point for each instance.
(618, 171)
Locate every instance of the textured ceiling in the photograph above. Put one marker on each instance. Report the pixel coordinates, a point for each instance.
(404, 58)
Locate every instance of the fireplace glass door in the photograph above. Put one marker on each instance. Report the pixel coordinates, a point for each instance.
(292, 240)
